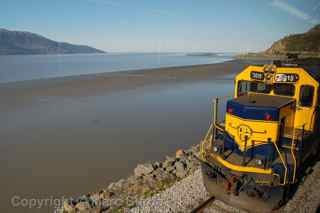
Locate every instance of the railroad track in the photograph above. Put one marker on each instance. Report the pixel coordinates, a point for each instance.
(300, 202)
(210, 206)
(203, 205)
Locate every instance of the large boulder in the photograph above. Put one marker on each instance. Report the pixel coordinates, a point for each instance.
(157, 165)
(180, 153)
(68, 207)
(143, 169)
(120, 184)
(181, 171)
(168, 163)
(83, 206)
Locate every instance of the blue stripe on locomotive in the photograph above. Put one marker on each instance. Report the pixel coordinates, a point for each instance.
(265, 151)
(252, 113)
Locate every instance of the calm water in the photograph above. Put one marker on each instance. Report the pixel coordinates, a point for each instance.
(18, 68)
(71, 145)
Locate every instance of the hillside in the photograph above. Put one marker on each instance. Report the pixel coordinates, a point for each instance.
(18, 42)
(307, 43)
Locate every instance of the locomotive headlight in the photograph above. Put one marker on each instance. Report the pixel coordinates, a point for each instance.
(259, 162)
(269, 68)
(215, 149)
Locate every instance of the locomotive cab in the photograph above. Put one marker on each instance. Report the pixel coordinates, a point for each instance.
(269, 134)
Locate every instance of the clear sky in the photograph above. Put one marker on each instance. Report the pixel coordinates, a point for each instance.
(163, 25)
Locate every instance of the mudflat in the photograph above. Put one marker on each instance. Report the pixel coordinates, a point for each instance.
(67, 136)
(12, 93)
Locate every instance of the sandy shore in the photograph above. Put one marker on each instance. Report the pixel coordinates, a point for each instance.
(13, 93)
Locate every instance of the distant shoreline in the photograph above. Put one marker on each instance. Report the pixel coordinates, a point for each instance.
(91, 84)
(263, 56)
(54, 54)
(31, 67)
(161, 71)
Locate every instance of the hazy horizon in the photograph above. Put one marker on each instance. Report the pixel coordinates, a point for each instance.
(179, 26)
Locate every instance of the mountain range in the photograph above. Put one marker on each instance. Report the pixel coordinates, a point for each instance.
(21, 43)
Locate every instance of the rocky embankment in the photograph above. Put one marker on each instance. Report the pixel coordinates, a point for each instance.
(148, 179)
(174, 186)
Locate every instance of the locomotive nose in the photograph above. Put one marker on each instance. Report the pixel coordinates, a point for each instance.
(256, 119)
(244, 132)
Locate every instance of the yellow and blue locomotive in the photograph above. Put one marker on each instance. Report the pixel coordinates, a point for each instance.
(271, 132)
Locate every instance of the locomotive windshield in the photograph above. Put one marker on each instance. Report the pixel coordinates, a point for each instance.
(253, 86)
(284, 89)
(261, 87)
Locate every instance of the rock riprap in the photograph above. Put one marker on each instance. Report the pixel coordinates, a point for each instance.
(175, 185)
(148, 179)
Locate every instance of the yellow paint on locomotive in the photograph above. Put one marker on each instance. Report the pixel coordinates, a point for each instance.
(270, 131)
(303, 116)
(256, 132)
(250, 133)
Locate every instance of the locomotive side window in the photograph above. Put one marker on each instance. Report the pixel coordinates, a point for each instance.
(253, 86)
(243, 87)
(284, 89)
(306, 95)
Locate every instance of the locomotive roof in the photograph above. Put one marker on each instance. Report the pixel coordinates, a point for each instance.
(261, 100)
(310, 65)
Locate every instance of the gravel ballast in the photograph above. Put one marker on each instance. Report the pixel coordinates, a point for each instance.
(190, 192)
(182, 197)
(307, 197)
